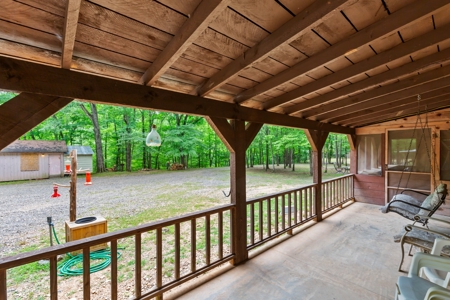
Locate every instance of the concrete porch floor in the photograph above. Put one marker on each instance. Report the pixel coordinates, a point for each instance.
(349, 255)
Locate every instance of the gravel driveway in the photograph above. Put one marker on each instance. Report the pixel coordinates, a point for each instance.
(25, 206)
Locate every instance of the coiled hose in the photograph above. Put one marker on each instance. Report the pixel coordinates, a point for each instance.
(74, 265)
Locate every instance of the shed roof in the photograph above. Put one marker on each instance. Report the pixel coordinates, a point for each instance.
(36, 147)
(81, 150)
(330, 65)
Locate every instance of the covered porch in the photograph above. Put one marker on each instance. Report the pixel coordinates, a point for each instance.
(349, 255)
(324, 66)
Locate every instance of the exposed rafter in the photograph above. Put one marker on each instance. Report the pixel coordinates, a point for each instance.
(33, 108)
(425, 106)
(399, 51)
(370, 82)
(206, 12)
(322, 112)
(28, 77)
(392, 100)
(70, 31)
(393, 22)
(285, 34)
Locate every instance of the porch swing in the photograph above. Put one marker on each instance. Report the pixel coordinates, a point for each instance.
(408, 206)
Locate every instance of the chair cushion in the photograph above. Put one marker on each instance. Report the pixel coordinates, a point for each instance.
(412, 288)
(403, 208)
(434, 199)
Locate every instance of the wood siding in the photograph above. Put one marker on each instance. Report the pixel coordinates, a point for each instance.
(10, 168)
(84, 162)
(369, 189)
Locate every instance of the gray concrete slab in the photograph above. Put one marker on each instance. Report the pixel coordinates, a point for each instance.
(349, 255)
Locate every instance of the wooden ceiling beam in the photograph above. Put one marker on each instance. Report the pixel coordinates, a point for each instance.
(322, 112)
(437, 87)
(70, 32)
(25, 111)
(370, 82)
(18, 75)
(426, 106)
(224, 131)
(393, 22)
(404, 49)
(206, 12)
(288, 32)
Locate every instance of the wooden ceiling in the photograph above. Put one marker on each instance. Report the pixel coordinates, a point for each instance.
(320, 64)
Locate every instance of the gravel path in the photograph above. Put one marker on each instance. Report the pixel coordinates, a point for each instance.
(25, 206)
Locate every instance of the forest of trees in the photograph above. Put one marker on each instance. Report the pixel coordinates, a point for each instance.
(117, 135)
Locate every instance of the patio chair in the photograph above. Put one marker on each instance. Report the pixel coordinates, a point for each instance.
(413, 287)
(436, 276)
(423, 237)
(409, 207)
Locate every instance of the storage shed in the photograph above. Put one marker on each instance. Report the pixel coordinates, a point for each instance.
(84, 157)
(24, 160)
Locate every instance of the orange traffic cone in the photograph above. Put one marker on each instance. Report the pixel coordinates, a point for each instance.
(88, 178)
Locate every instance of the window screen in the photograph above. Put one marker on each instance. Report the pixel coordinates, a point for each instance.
(369, 154)
(445, 155)
(410, 150)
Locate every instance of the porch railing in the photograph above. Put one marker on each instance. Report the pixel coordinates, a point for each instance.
(273, 215)
(188, 225)
(267, 217)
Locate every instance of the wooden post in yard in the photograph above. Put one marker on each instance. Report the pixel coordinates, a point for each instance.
(73, 186)
(317, 139)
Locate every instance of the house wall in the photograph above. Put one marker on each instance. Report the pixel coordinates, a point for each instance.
(84, 162)
(10, 168)
(368, 189)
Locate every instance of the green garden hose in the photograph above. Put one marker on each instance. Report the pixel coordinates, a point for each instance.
(74, 265)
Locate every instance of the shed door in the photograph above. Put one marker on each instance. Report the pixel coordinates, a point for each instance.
(54, 165)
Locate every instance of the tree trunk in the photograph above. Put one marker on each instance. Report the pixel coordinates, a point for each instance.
(126, 119)
(100, 163)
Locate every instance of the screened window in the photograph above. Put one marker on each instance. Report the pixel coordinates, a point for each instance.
(445, 155)
(369, 154)
(410, 150)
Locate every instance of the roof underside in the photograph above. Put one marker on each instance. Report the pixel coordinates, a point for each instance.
(348, 63)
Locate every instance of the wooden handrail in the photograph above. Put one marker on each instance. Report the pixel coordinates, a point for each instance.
(45, 253)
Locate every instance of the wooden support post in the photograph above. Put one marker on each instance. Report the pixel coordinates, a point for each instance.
(3, 285)
(237, 136)
(353, 153)
(317, 139)
(238, 193)
(73, 186)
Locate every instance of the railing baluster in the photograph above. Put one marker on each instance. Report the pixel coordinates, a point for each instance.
(137, 264)
(269, 217)
(289, 210)
(193, 246)
(177, 251)
(220, 229)
(300, 202)
(276, 214)
(295, 208)
(208, 239)
(114, 270)
(86, 273)
(53, 278)
(252, 223)
(3, 289)
(283, 211)
(261, 231)
(159, 254)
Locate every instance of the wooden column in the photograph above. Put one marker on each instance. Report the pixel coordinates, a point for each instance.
(317, 139)
(237, 136)
(353, 153)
